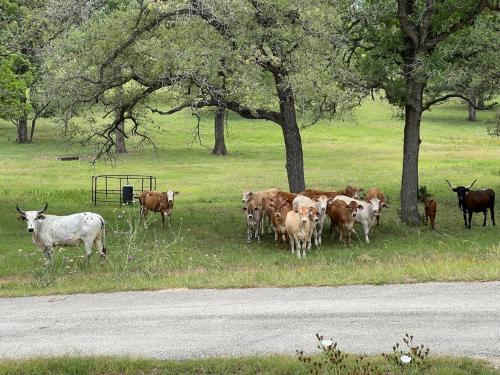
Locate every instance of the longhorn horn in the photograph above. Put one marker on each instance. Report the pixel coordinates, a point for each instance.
(19, 210)
(469, 186)
(452, 186)
(43, 209)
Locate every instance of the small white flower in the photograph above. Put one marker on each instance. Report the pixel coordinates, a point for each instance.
(405, 358)
(326, 343)
(20, 250)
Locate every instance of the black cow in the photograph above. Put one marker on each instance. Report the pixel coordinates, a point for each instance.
(474, 201)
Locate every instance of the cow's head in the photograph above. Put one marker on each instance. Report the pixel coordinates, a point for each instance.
(352, 192)
(322, 203)
(279, 207)
(31, 217)
(313, 214)
(354, 207)
(247, 195)
(252, 212)
(170, 195)
(376, 206)
(461, 191)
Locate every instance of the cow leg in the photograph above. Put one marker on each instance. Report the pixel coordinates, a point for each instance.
(88, 249)
(257, 234)
(320, 232)
(367, 230)
(100, 246)
(145, 212)
(162, 218)
(270, 227)
(292, 242)
(378, 221)
(47, 252)
(301, 245)
(465, 218)
(249, 234)
(470, 218)
(492, 211)
(485, 212)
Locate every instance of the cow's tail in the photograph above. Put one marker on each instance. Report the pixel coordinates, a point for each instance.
(103, 235)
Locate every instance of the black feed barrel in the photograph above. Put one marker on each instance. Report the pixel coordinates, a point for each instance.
(127, 194)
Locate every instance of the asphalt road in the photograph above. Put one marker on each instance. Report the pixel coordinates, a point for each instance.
(451, 318)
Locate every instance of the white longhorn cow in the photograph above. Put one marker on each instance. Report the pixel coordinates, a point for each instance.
(51, 230)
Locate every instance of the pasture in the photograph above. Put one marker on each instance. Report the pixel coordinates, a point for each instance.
(206, 245)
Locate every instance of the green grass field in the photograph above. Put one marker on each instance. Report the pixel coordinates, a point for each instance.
(205, 247)
(275, 365)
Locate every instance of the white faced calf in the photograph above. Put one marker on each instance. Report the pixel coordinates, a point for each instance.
(254, 218)
(50, 230)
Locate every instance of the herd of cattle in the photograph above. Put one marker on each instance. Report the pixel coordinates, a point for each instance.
(297, 219)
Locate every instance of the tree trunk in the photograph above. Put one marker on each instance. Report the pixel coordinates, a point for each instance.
(22, 129)
(291, 135)
(22, 125)
(480, 103)
(33, 124)
(409, 181)
(472, 109)
(220, 145)
(120, 147)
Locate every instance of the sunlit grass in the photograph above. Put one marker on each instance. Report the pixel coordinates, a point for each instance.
(205, 247)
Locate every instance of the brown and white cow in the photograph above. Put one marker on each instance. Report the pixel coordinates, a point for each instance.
(261, 199)
(342, 217)
(162, 202)
(366, 212)
(376, 193)
(279, 210)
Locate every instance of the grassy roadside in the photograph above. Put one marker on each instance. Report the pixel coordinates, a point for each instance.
(250, 365)
(205, 247)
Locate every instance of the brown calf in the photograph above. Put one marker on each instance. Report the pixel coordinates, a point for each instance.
(261, 199)
(349, 191)
(352, 192)
(289, 197)
(430, 210)
(342, 216)
(279, 210)
(157, 202)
